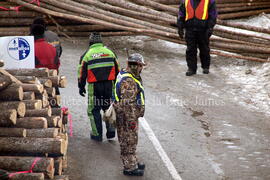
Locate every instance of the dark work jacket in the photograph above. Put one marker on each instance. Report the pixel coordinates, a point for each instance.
(194, 23)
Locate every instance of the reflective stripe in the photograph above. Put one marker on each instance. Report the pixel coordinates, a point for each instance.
(186, 4)
(121, 76)
(142, 98)
(205, 9)
(98, 65)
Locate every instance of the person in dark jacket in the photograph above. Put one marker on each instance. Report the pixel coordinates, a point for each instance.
(50, 36)
(197, 18)
(45, 54)
(99, 68)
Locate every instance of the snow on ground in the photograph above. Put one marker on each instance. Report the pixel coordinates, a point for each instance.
(252, 79)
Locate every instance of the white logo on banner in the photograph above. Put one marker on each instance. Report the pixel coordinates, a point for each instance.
(18, 48)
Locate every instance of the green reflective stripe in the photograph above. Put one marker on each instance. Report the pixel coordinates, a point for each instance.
(98, 65)
(142, 98)
(90, 108)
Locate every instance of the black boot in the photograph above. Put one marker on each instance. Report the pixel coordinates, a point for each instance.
(141, 166)
(110, 134)
(96, 138)
(135, 172)
(190, 72)
(205, 71)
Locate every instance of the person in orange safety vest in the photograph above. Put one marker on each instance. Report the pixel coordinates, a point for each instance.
(197, 18)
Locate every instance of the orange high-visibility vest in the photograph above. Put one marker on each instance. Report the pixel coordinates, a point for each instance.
(201, 12)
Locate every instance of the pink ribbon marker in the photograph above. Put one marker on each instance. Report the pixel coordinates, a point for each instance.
(29, 171)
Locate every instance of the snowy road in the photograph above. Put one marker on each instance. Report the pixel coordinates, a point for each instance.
(205, 123)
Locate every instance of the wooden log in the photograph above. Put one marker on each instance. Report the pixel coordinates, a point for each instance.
(238, 1)
(55, 101)
(46, 83)
(243, 26)
(62, 177)
(37, 88)
(243, 14)
(51, 92)
(13, 79)
(58, 165)
(42, 133)
(245, 4)
(33, 104)
(13, 92)
(135, 7)
(39, 72)
(12, 21)
(29, 95)
(28, 176)
(39, 112)
(59, 122)
(5, 81)
(32, 122)
(17, 105)
(241, 8)
(53, 121)
(25, 14)
(57, 112)
(8, 117)
(18, 163)
(237, 56)
(12, 132)
(123, 20)
(149, 32)
(157, 6)
(27, 79)
(2, 63)
(55, 80)
(53, 72)
(32, 145)
(63, 82)
(126, 11)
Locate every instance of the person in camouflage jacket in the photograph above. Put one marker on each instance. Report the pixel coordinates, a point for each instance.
(129, 106)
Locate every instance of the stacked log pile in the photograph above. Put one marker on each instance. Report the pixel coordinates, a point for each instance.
(154, 18)
(33, 136)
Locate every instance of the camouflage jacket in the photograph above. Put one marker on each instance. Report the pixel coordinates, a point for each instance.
(128, 100)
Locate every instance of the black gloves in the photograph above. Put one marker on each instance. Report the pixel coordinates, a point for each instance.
(82, 92)
(181, 33)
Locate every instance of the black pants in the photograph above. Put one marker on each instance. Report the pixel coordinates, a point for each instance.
(197, 39)
(102, 93)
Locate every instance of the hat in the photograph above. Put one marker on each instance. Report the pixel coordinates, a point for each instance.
(39, 20)
(136, 58)
(37, 29)
(95, 37)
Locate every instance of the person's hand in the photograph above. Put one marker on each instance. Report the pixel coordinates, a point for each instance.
(181, 33)
(82, 92)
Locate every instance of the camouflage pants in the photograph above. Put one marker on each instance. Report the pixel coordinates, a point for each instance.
(128, 139)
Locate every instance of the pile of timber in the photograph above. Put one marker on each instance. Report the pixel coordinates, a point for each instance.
(33, 135)
(154, 18)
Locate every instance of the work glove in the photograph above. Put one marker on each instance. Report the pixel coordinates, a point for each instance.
(181, 33)
(209, 32)
(82, 92)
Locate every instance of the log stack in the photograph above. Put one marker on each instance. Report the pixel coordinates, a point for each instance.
(154, 18)
(32, 128)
